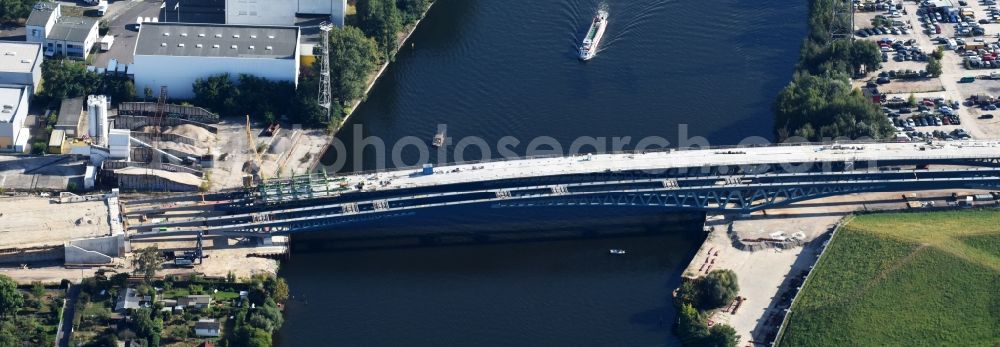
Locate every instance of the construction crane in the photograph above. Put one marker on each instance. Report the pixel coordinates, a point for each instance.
(257, 169)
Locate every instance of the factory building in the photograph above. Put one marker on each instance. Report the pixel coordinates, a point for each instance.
(21, 63)
(13, 110)
(177, 54)
(71, 118)
(282, 12)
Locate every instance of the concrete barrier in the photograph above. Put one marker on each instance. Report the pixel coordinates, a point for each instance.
(95, 251)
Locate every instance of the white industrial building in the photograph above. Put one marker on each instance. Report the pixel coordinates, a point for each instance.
(282, 12)
(177, 54)
(13, 110)
(61, 35)
(119, 143)
(21, 64)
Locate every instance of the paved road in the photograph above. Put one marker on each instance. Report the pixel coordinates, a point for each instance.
(66, 328)
(122, 27)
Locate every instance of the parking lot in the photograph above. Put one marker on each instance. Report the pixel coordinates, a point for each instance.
(122, 26)
(908, 33)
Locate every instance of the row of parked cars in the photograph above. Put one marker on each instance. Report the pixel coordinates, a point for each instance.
(957, 134)
(888, 75)
(883, 30)
(925, 120)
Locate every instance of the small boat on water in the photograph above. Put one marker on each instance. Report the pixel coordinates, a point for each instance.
(616, 251)
(439, 137)
(588, 49)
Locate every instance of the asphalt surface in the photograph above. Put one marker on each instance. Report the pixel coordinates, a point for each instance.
(122, 16)
(66, 328)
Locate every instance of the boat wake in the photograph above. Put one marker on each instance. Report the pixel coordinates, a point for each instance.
(626, 24)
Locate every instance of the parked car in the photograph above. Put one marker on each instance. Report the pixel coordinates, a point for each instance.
(986, 116)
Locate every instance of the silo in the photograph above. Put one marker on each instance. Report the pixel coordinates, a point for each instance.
(91, 117)
(97, 116)
(102, 118)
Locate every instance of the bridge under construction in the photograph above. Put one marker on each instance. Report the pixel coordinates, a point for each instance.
(737, 180)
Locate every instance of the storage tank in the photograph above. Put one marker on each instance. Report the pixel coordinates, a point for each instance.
(97, 116)
(91, 118)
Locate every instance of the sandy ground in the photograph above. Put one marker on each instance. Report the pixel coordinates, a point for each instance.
(223, 256)
(763, 274)
(233, 143)
(47, 275)
(35, 221)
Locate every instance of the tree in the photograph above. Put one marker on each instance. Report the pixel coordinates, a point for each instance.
(11, 10)
(258, 96)
(718, 289)
(258, 338)
(691, 327)
(37, 290)
(147, 93)
(938, 53)
(411, 10)
(830, 108)
(118, 87)
(217, 93)
(380, 19)
(933, 67)
(66, 78)
(147, 261)
(721, 335)
(11, 299)
(352, 58)
(146, 327)
(277, 288)
(911, 100)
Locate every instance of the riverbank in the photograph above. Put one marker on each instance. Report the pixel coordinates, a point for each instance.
(315, 156)
(768, 270)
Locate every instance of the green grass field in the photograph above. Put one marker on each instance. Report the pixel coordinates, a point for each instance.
(904, 279)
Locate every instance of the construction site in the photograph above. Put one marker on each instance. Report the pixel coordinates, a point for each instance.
(97, 154)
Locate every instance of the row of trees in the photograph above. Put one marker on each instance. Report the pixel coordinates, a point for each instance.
(819, 102)
(67, 78)
(383, 20)
(258, 97)
(694, 297)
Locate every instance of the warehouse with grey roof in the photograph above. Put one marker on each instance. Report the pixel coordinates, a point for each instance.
(177, 54)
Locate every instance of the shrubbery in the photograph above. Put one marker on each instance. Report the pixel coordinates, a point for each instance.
(67, 78)
(715, 290)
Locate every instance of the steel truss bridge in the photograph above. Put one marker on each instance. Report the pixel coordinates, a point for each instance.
(735, 181)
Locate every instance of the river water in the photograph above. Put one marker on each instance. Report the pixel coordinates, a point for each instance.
(490, 69)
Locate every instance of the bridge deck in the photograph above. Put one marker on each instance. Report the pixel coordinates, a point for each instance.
(523, 168)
